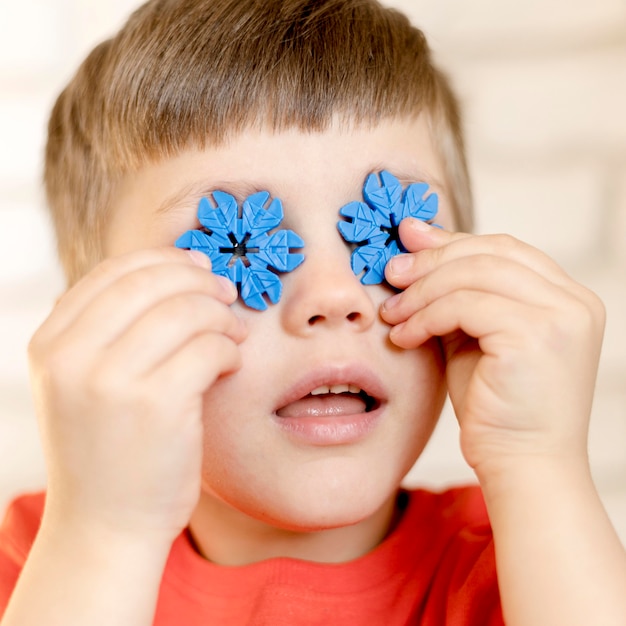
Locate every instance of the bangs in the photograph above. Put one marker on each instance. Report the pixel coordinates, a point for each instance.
(194, 73)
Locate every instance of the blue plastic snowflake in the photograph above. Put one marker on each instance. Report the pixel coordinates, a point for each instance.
(240, 246)
(373, 224)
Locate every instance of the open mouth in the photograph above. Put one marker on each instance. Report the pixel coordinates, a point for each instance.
(331, 401)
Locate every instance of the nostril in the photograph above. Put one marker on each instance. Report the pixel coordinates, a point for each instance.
(355, 316)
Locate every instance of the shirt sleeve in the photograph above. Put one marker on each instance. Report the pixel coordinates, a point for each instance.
(17, 533)
(465, 588)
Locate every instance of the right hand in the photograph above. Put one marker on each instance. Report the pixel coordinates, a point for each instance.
(119, 370)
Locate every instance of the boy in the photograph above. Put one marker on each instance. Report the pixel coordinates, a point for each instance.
(209, 463)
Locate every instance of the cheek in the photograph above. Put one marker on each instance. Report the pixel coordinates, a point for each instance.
(253, 470)
(135, 224)
(421, 392)
(233, 440)
(235, 413)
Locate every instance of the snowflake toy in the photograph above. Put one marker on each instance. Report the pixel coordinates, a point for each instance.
(240, 246)
(373, 224)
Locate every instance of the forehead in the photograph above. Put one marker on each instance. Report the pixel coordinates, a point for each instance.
(336, 160)
(302, 169)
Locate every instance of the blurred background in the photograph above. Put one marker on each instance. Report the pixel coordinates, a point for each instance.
(543, 83)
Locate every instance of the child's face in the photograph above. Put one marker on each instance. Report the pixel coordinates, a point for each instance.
(266, 453)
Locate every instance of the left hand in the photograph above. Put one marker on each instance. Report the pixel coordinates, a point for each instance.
(521, 340)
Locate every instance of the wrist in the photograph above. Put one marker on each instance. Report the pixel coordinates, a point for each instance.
(81, 574)
(523, 474)
(552, 536)
(532, 494)
(93, 523)
(89, 544)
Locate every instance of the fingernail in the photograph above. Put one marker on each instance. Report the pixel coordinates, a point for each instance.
(419, 225)
(242, 329)
(395, 331)
(199, 258)
(228, 286)
(389, 303)
(400, 263)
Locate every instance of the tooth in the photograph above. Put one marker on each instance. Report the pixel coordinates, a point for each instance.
(320, 390)
(341, 388)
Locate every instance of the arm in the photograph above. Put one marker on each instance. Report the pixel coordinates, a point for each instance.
(522, 343)
(80, 576)
(558, 557)
(119, 370)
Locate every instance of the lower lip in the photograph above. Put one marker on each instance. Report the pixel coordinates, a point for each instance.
(330, 431)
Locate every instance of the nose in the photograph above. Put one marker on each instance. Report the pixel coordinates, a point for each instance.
(323, 293)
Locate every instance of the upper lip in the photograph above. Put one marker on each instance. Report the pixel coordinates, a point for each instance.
(335, 374)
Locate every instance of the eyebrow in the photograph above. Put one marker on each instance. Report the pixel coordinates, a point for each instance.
(408, 177)
(192, 194)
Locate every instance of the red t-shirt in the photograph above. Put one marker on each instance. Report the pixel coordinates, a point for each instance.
(437, 567)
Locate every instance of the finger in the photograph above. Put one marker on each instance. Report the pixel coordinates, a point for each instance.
(197, 365)
(434, 247)
(73, 302)
(477, 314)
(160, 333)
(480, 272)
(417, 235)
(124, 301)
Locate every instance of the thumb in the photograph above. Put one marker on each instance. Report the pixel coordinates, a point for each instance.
(417, 235)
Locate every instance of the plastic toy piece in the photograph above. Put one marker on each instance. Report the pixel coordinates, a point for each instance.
(240, 246)
(373, 224)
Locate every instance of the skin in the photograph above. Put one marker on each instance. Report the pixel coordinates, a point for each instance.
(248, 467)
(139, 370)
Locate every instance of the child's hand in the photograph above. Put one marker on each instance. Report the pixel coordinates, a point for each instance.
(119, 370)
(521, 340)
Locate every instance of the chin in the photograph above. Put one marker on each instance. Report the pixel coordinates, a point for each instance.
(319, 503)
(310, 522)
(315, 517)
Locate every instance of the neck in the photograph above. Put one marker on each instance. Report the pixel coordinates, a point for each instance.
(229, 537)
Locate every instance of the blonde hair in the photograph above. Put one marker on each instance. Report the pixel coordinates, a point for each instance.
(192, 73)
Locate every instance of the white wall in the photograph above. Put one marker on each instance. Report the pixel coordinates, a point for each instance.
(544, 85)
